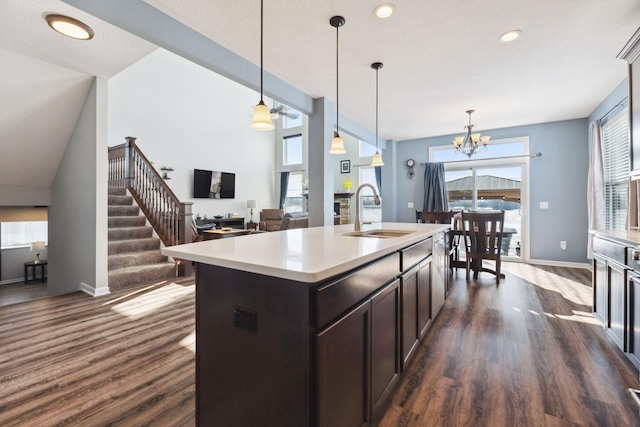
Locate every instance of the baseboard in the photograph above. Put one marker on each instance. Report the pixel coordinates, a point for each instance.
(9, 281)
(559, 263)
(93, 291)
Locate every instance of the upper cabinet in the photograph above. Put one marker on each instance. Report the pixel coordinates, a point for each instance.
(631, 54)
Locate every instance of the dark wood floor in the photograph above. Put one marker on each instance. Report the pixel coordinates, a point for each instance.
(525, 353)
(14, 293)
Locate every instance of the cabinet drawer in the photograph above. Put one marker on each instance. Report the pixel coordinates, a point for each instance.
(337, 297)
(611, 250)
(414, 254)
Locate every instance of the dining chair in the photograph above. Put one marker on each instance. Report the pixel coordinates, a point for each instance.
(442, 217)
(483, 241)
(435, 217)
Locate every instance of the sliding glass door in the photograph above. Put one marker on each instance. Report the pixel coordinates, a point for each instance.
(498, 187)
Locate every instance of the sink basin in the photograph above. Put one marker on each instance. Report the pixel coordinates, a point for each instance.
(379, 233)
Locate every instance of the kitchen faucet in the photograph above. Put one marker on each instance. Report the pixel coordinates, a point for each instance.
(376, 200)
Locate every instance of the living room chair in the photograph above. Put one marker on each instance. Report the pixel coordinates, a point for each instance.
(271, 219)
(483, 241)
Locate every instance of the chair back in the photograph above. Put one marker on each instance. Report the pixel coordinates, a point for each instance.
(483, 233)
(435, 217)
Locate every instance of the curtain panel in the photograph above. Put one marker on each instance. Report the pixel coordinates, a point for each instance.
(284, 186)
(435, 188)
(595, 184)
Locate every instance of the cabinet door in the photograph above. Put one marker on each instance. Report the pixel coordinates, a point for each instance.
(438, 275)
(634, 320)
(616, 324)
(410, 332)
(599, 288)
(385, 339)
(424, 296)
(343, 366)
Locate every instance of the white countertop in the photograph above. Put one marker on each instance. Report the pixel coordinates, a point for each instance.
(626, 237)
(303, 254)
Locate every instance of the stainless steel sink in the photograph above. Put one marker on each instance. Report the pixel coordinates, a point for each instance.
(380, 233)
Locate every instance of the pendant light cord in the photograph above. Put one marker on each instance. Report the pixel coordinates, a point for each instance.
(377, 110)
(261, 46)
(337, 84)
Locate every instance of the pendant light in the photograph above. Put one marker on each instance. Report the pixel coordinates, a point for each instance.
(337, 145)
(261, 116)
(377, 158)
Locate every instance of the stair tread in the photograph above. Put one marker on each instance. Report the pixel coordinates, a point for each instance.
(143, 252)
(137, 268)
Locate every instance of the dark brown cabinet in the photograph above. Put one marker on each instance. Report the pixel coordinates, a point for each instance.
(439, 274)
(309, 354)
(385, 330)
(633, 347)
(410, 332)
(617, 311)
(424, 297)
(343, 370)
(599, 288)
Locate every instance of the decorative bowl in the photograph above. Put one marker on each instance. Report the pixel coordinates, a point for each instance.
(218, 216)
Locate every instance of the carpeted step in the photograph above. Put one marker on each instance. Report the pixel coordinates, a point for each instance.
(120, 201)
(126, 221)
(133, 245)
(117, 191)
(124, 233)
(123, 277)
(123, 210)
(136, 258)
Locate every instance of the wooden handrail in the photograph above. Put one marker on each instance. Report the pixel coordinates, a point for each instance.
(171, 219)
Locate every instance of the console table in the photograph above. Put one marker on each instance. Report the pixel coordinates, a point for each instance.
(34, 267)
(235, 222)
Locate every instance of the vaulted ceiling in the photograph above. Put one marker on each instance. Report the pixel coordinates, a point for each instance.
(440, 59)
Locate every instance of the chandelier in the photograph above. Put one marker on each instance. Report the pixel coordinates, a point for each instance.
(472, 142)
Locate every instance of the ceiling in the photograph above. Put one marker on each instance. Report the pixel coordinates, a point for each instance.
(44, 79)
(440, 59)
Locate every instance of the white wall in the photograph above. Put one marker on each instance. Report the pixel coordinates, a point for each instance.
(187, 117)
(77, 215)
(13, 260)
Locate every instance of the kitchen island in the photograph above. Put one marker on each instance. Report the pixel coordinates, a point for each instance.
(310, 327)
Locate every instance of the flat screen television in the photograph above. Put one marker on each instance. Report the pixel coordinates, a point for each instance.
(213, 184)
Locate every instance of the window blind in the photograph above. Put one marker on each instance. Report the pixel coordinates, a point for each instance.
(616, 156)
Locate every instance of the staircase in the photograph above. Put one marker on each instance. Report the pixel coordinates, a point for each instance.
(134, 254)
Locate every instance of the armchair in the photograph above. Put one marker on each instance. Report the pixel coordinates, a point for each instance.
(271, 219)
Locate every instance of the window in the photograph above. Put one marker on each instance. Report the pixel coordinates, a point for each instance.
(294, 200)
(369, 210)
(366, 149)
(292, 150)
(616, 150)
(289, 122)
(16, 234)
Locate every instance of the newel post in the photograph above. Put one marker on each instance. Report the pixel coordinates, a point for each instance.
(185, 230)
(128, 161)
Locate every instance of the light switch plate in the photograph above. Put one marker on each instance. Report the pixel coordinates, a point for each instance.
(410, 205)
(544, 205)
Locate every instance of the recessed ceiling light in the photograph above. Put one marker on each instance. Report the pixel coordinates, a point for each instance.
(384, 10)
(70, 27)
(510, 36)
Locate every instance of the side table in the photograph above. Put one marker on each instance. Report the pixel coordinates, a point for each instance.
(252, 226)
(34, 268)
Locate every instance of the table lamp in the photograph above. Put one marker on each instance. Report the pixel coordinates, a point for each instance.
(251, 204)
(37, 246)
